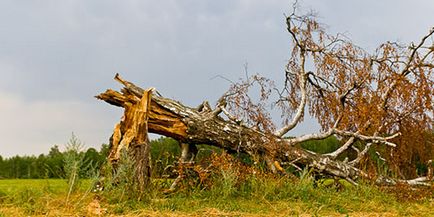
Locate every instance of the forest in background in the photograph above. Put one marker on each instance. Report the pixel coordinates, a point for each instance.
(52, 165)
(165, 153)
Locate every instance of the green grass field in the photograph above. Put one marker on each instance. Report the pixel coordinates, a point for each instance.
(11, 186)
(260, 197)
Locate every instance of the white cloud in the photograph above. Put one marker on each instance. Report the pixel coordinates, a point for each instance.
(32, 127)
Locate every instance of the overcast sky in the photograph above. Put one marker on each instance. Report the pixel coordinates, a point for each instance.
(56, 55)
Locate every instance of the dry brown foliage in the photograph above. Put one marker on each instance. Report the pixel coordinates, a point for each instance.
(204, 175)
(350, 92)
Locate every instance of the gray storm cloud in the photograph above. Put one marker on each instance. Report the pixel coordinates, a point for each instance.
(56, 55)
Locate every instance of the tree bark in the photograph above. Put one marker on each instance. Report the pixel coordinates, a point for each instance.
(204, 126)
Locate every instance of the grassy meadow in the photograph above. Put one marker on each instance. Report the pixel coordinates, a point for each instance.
(218, 184)
(266, 196)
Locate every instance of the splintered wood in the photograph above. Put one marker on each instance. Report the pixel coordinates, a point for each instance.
(131, 135)
(133, 128)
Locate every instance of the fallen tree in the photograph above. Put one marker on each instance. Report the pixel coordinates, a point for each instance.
(203, 125)
(354, 95)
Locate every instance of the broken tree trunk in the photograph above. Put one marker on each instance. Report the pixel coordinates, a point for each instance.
(203, 125)
(131, 134)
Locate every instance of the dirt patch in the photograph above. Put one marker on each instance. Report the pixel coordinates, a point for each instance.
(406, 193)
(94, 208)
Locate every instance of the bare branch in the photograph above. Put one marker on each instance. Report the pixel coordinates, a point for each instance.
(424, 181)
(231, 117)
(360, 154)
(302, 78)
(341, 149)
(334, 131)
(313, 136)
(373, 139)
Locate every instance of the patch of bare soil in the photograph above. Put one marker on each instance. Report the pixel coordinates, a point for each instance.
(94, 208)
(406, 193)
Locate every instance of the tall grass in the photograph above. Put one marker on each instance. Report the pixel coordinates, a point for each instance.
(118, 182)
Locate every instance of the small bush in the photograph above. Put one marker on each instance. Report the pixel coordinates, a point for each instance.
(327, 145)
(73, 164)
(119, 184)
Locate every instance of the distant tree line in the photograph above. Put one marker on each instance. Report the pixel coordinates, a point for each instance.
(164, 154)
(49, 165)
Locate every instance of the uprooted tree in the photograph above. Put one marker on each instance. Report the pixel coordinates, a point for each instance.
(382, 99)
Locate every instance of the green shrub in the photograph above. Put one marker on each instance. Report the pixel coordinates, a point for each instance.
(323, 146)
(73, 163)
